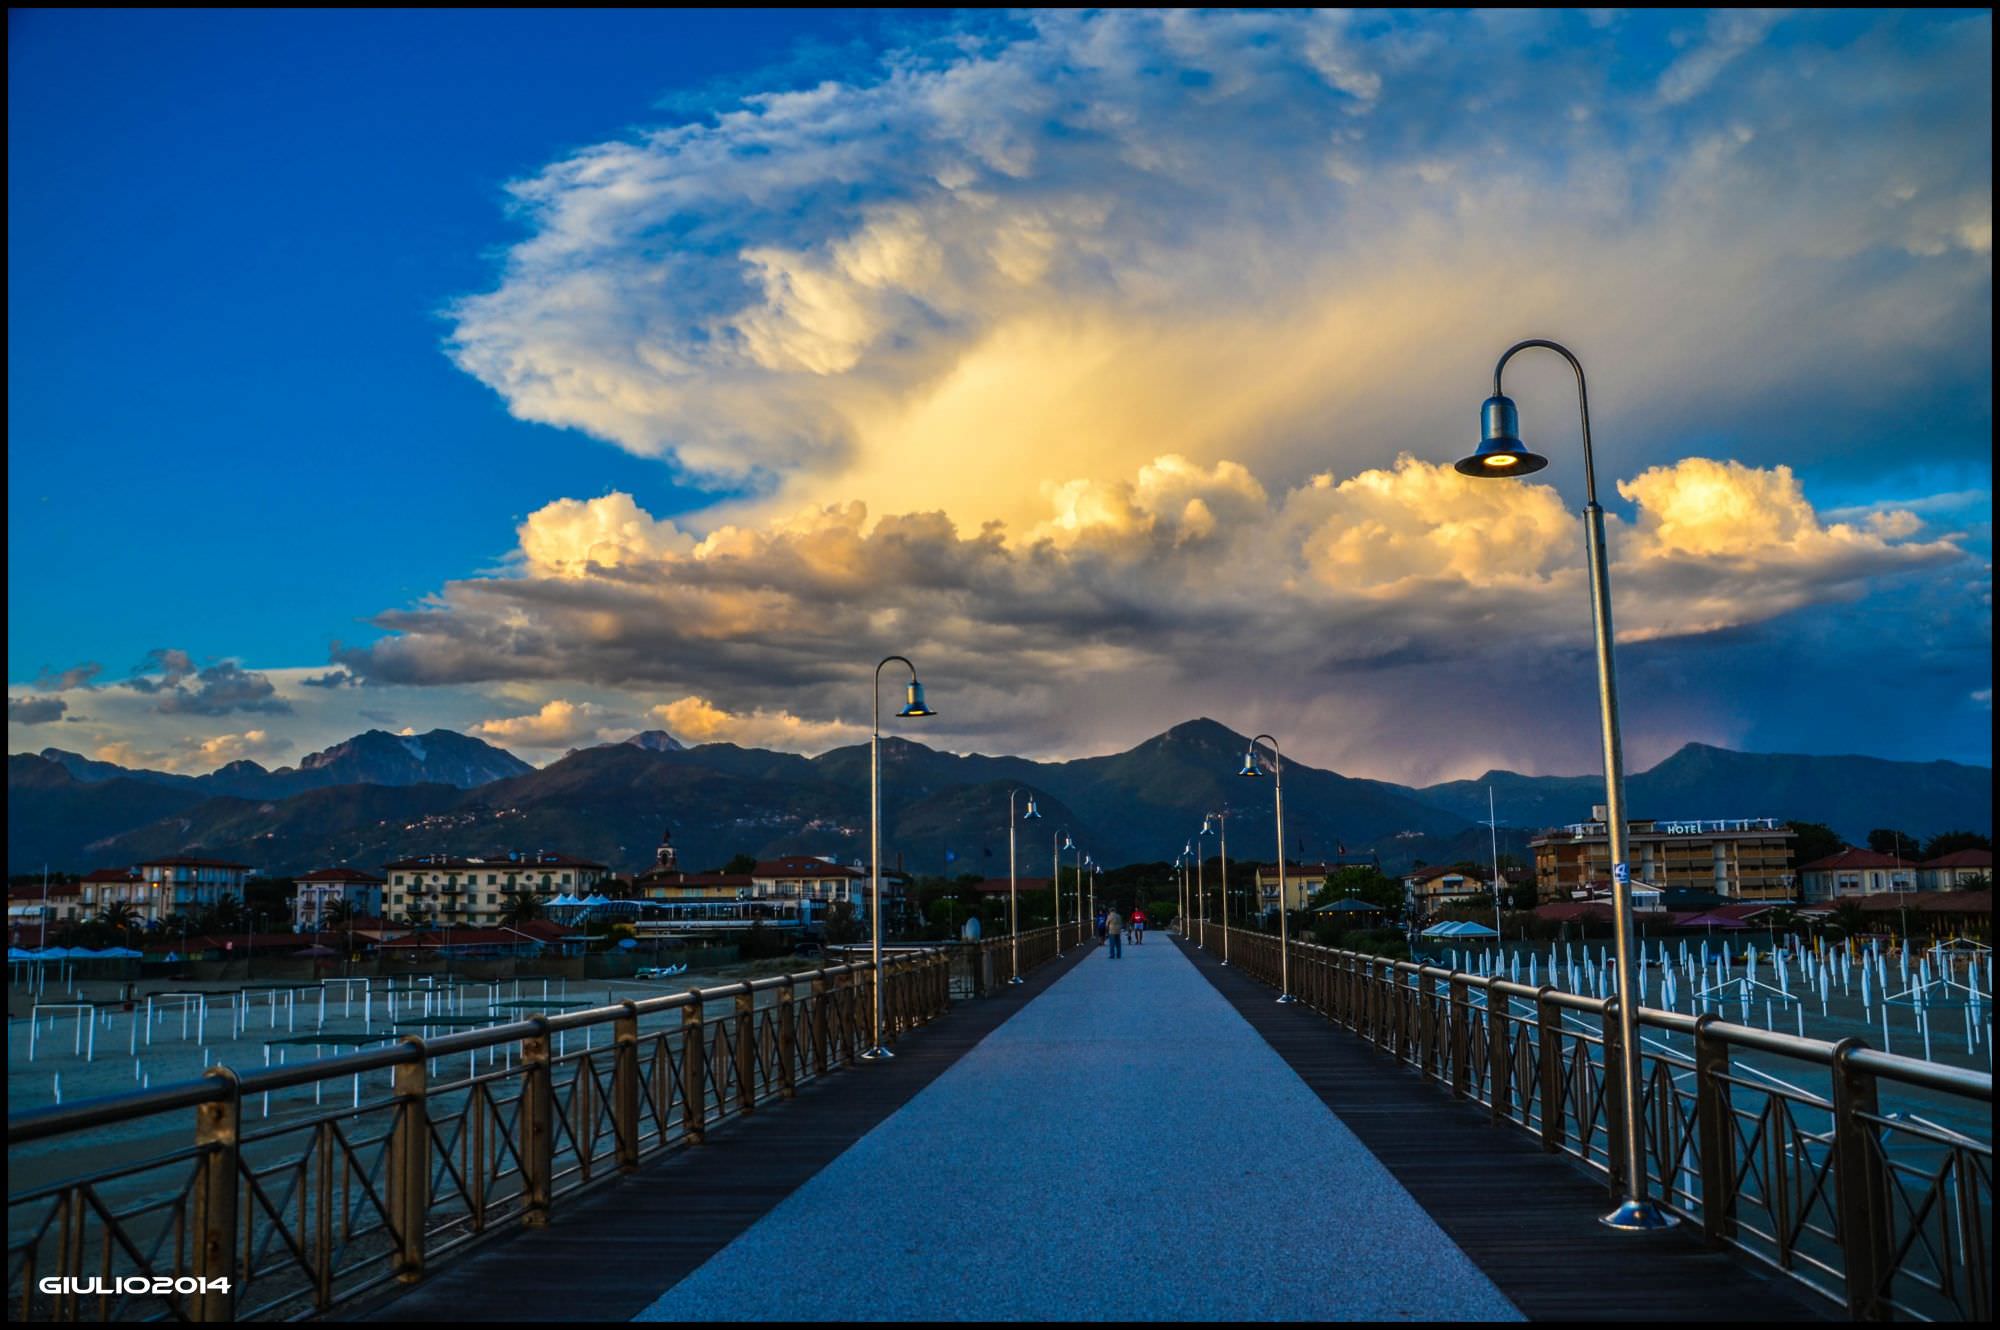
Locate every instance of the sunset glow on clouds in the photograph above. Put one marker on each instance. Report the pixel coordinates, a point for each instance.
(1111, 366)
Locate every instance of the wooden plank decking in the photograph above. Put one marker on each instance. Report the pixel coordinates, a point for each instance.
(608, 1254)
(1525, 1217)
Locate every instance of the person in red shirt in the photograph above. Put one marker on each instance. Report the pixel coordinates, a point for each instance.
(1138, 925)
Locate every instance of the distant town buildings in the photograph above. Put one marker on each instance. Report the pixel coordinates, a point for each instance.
(1862, 873)
(1303, 880)
(448, 889)
(1746, 859)
(316, 892)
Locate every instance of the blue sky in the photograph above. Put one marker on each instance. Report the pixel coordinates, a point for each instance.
(230, 238)
(581, 372)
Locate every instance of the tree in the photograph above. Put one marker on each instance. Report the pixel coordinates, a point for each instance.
(1951, 842)
(1360, 882)
(1888, 840)
(119, 917)
(1813, 841)
(519, 907)
(841, 924)
(741, 864)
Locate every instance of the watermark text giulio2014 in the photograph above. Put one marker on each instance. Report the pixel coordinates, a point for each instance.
(99, 1286)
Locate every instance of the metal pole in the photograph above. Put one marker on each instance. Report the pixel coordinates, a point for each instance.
(1284, 913)
(1637, 1211)
(1201, 887)
(1055, 884)
(1222, 820)
(1493, 829)
(879, 1050)
(1013, 898)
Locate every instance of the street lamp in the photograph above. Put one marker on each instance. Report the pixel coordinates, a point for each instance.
(1090, 863)
(1013, 886)
(1250, 768)
(1194, 891)
(1200, 874)
(1058, 842)
(913, 705)
(1501, 454)
(1222, 824)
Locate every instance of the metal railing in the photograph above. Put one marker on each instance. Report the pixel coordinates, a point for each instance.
(1888, 1213)
(314, 1207)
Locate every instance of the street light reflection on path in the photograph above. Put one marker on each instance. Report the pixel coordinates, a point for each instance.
(1501, 454)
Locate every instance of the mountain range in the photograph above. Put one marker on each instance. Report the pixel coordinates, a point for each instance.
(380, 796)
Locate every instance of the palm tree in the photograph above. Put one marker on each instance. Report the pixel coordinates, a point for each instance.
(520, 907)
(339, 916)
(119, 917)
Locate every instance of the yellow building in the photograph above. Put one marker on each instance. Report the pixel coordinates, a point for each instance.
(452, 890)
(1747, 859)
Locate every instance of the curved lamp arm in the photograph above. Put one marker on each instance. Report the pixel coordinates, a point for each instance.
(1582, 403)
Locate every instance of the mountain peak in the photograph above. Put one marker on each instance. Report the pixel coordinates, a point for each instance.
(658, 741)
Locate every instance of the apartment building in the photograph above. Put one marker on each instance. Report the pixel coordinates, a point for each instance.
(450, 889)
(1746, 859)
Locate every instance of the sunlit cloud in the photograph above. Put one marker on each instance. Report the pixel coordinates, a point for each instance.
(695, 720)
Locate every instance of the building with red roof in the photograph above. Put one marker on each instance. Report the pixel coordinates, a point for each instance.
(1856, 872)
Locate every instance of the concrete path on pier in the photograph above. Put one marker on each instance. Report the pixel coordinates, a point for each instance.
(1125, 1147)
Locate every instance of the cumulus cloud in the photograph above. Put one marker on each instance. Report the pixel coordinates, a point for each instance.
(35, 710)
(696, 720)
(1066, 247)
(180, 688)
(331, 679)
(559, 724)
(199, 754)
(1179, 582)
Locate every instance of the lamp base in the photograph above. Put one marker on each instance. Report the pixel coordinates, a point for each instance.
(1644, 1216)
(1286, 997)
(876, 1054)
(1017, 979)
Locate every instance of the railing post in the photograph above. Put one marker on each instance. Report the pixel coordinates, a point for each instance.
(746, 1053)
(410, 1162)
(1548, 1064)
(538, 1128)
(1458, 1012)
(625, 1087)
(1862, 1177)
(788, 1043)
(1712, 1133)
(694, 1070)
(1613, 1099)
(816, 1021)
(217, 1133)
(1499, 1057)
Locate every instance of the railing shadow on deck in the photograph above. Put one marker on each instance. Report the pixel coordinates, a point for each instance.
(1884, 1212)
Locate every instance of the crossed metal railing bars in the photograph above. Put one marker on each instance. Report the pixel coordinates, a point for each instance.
(1888, 1213)
(321, 1206)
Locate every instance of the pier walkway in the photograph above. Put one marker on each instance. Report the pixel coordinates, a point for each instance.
(1150, 1138)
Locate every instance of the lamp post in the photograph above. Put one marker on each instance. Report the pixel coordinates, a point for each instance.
(1222, 838)
(1180, 886)
(1089, 862)
(1201, 874)
(1082, 926)
(1014, 887)
(1250, 768)
(1059, 842)
(913, 705)
(1501, 454)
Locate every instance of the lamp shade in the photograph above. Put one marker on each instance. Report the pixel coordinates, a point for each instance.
(1031, 809)
(916, 705)
(1500, 453)
(1250, 765)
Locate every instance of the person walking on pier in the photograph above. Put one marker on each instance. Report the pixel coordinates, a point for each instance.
(1138, 925)
(1114, 925)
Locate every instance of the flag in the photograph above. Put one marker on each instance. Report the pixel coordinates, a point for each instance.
(1340, 848)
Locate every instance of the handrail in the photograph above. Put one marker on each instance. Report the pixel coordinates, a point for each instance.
(1889, 1213)
(336, 1195)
